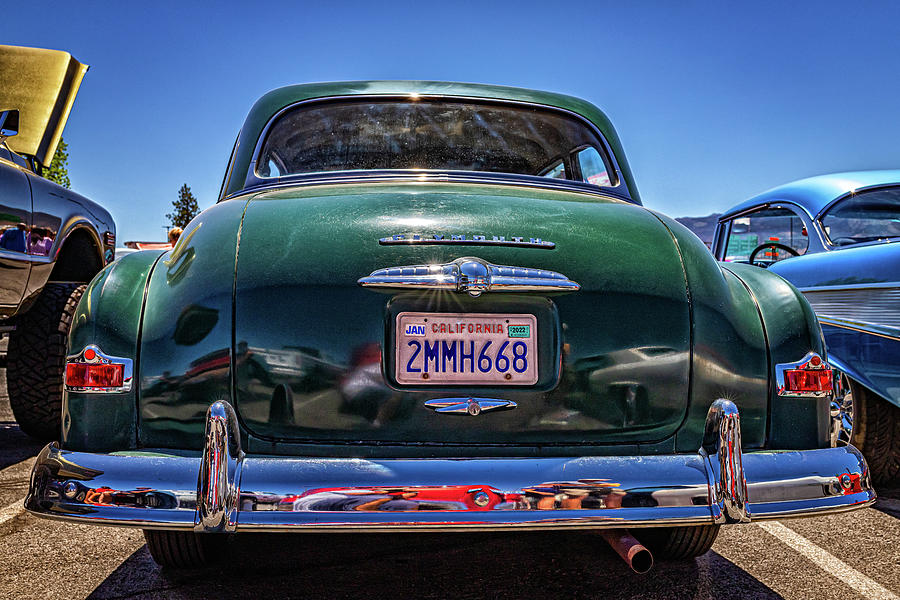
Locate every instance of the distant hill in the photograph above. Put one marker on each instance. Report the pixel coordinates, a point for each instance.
(703, 227)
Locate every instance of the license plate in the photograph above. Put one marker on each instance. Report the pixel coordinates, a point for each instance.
(465, 349)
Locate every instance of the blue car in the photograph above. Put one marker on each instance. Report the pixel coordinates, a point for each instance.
(837, 238)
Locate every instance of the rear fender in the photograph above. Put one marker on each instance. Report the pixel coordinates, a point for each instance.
(108, 316)
(792, 331)
(728, 347)
(186, 331)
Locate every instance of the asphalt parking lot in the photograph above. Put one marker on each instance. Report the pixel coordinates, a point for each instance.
(844, 556)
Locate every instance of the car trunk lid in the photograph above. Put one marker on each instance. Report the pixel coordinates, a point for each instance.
(315, 352)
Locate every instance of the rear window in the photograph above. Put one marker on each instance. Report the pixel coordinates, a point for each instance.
(864, 217)
(433, 135)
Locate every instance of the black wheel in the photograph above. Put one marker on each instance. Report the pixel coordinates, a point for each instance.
(876, 433)
(37, 358)
(677, 543)
(185, 549)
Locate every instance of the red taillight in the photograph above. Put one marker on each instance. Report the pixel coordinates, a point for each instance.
(802, 380)
(96, 375)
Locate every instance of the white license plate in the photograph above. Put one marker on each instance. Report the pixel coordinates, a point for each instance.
(466, 349)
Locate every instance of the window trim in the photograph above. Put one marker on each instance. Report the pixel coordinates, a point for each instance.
(720, 238)
(553, 164)
(576, 163)
(229, 167)
(13, 158)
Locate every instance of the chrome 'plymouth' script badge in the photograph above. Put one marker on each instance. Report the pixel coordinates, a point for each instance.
(465, 240)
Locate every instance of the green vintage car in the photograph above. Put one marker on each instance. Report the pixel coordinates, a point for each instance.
(425, 306)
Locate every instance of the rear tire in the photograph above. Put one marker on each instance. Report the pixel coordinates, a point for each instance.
(876, 433)
(677, 543)
(185, 549)
(37, 358)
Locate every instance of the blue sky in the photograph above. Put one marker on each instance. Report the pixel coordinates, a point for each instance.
(714, 102)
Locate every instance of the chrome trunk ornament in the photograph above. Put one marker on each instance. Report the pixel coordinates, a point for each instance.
(468, 406)
(470, 274)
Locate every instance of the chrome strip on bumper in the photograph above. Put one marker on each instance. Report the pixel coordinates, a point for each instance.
(224, 490)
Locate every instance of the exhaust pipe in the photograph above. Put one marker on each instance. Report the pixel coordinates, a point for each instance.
(632, 552)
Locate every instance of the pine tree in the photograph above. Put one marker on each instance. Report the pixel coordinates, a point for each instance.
(185, 208)
(58, 171)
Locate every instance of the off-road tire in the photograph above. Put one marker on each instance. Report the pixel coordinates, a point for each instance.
(677, 543)
(37, 358)
(185, 549)
(876, 433)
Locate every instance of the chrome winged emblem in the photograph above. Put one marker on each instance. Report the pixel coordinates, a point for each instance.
(472, 275)
(468, 406)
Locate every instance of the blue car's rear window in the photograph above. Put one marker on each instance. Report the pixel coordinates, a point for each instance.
(432, 135)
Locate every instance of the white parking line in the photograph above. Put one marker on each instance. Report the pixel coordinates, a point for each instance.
(17, 508)
(16, 466)
(12, 511)
(828, 562)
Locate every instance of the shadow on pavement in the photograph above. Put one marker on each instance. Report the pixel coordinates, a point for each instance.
(15, 446)
(888, 501)
(475, 565)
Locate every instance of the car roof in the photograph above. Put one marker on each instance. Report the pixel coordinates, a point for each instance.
(815, 193)
(274, 101)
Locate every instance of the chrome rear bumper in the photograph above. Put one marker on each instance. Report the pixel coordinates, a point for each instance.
(224, 490)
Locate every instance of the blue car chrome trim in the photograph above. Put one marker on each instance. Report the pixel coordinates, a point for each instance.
(472, 275)
(223, 490)
(875, 305)
(883, 332)
(416, 239)
(468, 406)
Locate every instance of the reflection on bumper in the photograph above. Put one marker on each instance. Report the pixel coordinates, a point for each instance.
(224, 490)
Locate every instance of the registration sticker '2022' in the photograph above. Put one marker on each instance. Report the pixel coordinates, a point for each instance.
(519, 331)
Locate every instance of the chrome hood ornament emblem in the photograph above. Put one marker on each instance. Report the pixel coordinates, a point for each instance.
(470, 275)
(468, 406)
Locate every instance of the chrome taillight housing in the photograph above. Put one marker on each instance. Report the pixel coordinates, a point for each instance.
(93, 371)
(810, 377)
